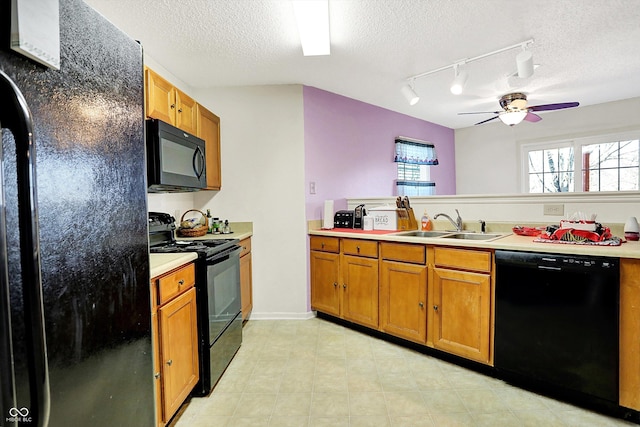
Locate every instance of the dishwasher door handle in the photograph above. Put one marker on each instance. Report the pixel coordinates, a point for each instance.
(546, 267)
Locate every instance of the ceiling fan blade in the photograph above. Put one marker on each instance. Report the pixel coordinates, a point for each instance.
(532, 117)
(481, 112)
(548, 107)
(488, 120)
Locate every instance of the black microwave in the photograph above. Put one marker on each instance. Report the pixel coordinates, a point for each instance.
(175, 159)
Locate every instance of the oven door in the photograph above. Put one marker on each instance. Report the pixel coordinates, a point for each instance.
(223, 291)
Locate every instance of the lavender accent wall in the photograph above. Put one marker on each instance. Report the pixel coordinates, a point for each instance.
(349, 148)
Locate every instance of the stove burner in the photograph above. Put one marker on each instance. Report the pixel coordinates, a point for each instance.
(202, 247)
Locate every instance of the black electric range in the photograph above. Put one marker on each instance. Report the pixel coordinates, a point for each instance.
(218, 300)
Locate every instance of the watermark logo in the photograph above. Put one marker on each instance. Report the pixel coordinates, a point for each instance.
(18, 415)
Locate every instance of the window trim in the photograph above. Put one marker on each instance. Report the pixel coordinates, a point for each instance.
(577, 143)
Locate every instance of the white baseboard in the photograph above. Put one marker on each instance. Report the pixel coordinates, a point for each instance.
(282, 316)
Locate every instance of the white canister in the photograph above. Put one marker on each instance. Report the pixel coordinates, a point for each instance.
(632, 229)
(368, 222)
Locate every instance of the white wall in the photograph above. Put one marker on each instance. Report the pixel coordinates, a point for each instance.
(262, 150)
(488, 156)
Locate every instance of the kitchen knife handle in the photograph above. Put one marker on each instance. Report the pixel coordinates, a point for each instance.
(16, 116)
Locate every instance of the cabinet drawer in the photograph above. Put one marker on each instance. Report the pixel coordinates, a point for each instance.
(325, 244)
(176, 282)
(404, 252)
(246, 246)
(367, 248)
(463, 259)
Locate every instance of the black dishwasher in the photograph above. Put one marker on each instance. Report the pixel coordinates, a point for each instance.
(556, 321)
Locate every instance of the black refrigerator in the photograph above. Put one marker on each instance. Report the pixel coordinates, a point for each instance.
(75, 327)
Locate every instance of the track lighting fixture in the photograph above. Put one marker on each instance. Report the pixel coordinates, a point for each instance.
(524, 61)
(410, 94)
(458, 81)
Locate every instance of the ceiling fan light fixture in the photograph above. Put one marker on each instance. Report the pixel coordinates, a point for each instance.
(512, 118)
(459, 81)
(312, 17)
(524, 62)
(410, 94)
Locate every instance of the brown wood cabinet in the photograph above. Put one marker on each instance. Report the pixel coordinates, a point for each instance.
(462, 302)
(403, 291)
(345, 283)
(208, 128)
(175, 339)
(630, 333)
(246, 286)
(165, 102)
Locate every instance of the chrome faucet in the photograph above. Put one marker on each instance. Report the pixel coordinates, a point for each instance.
(457, 223)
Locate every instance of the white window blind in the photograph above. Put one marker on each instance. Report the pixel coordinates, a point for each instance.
(414, 159)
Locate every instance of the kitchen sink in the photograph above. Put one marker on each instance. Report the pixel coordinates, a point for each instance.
(424, 233)
(472, 236)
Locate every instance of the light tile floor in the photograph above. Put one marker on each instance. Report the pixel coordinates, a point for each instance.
(316, 373)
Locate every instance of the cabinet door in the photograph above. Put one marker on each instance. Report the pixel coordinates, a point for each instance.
(360, 290)
(179, 352)
(186, 118)
(160, 99)
(403, 298)
(462, 307)
(246, 292)
(325, 296)
(208, 127)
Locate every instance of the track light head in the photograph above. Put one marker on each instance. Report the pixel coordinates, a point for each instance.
(524, 61)
(410, 94)
(459, 81)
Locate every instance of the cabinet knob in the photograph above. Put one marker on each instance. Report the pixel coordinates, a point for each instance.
(344, 285)
(179, 110)
(421, 304)
(435, 307)
(181, 282)
(358, 249)
(322, 245)
(335, 284)
(169, 362)
(173, 106)
(156, 375)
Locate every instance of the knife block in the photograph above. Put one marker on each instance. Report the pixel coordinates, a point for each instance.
(406, 219)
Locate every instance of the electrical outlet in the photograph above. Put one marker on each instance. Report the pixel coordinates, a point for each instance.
(557, 210)
(312, 187)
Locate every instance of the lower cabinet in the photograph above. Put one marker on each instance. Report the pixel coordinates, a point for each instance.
(403, 291)
(246, 279)
(630, 333)
(344, 279)
(462, 320)
(175, 340)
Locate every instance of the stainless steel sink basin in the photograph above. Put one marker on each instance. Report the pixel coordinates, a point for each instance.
(423, 233)
(472, 236)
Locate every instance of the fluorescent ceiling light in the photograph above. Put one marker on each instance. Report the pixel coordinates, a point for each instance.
(410, 94)
(512, 118)
(312, 17)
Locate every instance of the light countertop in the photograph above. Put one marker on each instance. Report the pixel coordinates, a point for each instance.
(510, 241)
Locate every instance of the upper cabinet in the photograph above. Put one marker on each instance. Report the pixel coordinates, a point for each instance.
(165, 102)
(208, 128)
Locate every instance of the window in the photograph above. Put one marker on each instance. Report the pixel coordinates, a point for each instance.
(414, 159)
(604, 163)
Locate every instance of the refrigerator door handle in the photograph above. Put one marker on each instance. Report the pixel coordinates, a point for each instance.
(15, 115)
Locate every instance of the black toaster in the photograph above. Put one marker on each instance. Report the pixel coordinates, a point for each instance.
(350, 218)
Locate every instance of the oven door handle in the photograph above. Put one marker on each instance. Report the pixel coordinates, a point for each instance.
(224, 255)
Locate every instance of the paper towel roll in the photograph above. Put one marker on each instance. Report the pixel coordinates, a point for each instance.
(327, 217)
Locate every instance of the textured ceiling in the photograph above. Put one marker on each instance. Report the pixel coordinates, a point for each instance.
(588, 50)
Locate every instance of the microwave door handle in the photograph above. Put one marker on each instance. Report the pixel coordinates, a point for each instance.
(197, 155)
(15, 115)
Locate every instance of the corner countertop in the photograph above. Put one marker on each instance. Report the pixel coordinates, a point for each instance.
(163, 263)
(510, 241)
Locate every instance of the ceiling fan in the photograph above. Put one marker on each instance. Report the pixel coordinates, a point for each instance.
(515, 109)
